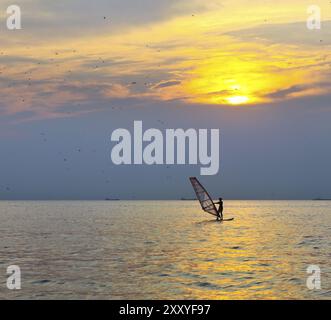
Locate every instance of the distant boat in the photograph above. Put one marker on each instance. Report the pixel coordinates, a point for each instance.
(109, 199)
(206, 202)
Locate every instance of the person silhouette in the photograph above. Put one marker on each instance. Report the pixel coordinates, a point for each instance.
(220, 209)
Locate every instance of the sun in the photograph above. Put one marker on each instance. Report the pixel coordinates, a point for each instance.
(237, 100)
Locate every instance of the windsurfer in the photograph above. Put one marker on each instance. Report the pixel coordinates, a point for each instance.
(220, 209)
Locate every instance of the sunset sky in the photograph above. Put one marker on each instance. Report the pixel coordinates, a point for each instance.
(80, 69)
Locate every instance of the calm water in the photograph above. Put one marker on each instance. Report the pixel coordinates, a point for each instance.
(165, 250)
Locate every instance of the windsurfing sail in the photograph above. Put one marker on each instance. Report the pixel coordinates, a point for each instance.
(203, 196)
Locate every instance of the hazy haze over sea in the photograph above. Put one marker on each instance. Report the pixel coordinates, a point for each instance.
(165, 250)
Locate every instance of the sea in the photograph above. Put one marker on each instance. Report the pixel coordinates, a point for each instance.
(166, 250)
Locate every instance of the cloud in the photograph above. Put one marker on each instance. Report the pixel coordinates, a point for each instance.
(295, 33)
(285, 93)
(62, 19)
(174, 54)
(167, 84)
